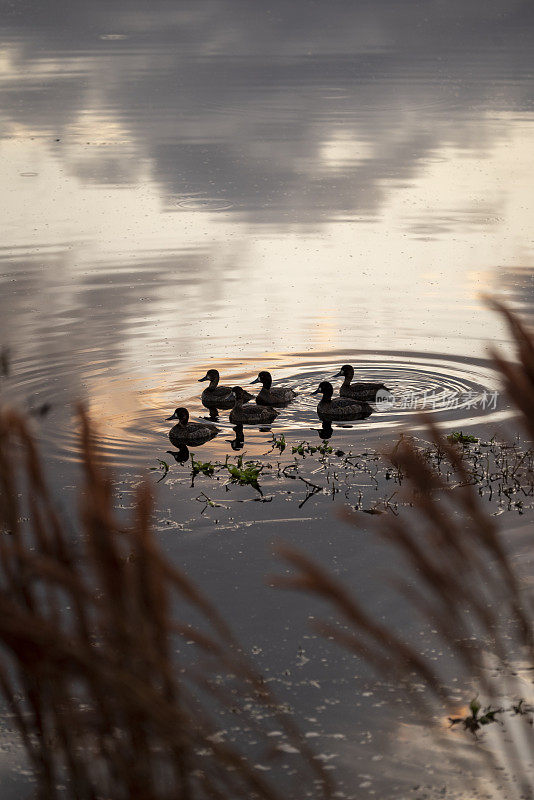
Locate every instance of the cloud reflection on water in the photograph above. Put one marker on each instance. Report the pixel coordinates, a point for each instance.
(243, 103)
(371, 163)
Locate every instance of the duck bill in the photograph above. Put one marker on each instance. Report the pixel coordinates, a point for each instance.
(338, 375)
(171, 418)
(205, 378)
(317, 391)
(256, 381)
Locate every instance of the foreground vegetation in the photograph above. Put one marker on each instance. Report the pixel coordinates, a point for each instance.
(501, 472)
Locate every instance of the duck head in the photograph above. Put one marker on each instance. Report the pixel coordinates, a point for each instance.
(346, 372)
(212, 375)
(264, 378)
(326, 389)
(238, 393)
(182, 415)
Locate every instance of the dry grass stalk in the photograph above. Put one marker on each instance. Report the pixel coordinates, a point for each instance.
(461, 579)
(88, 667)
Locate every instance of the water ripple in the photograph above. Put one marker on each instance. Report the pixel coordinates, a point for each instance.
(130, 411)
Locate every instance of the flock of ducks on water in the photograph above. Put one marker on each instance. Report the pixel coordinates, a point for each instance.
(352, 404)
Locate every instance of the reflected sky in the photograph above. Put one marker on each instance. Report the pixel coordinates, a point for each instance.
(219, 182)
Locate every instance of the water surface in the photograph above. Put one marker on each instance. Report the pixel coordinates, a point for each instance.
(281, 186)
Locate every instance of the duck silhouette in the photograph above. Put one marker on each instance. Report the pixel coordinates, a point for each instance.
(340, 408)
(359, 391)
(272, 396)
(249, 414)
(215, 396)
(185, 432)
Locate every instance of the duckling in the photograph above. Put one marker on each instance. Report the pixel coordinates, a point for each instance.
(268, 396)
(341, 408)
(249, 415)
(185, 432)
(218, 396)
(358, 391)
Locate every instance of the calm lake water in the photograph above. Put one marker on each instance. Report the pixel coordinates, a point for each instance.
(283, 186)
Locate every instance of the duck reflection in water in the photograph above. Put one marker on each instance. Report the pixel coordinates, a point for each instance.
(325, 431)
(181, 455)
(239, 441)
(214, 413)
(339, 408)
(185, 432)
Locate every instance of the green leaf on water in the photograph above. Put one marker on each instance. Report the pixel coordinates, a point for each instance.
(474, 706)
(201, 467)
(457, 437)
(162, 466)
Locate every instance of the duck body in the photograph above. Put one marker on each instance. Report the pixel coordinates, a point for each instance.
(339, 408)
(365, 392)
(242, 414)
(273, 396)
(215, 396)
(185, 432)
(218, 397)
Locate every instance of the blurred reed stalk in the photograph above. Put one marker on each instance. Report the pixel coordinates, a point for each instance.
(460, 578)
(91, 621)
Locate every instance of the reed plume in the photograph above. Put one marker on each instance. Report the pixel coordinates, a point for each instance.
(459, 576)
(95, 654)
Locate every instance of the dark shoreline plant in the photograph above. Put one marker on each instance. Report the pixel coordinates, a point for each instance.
(460, 577)
(89, 629)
